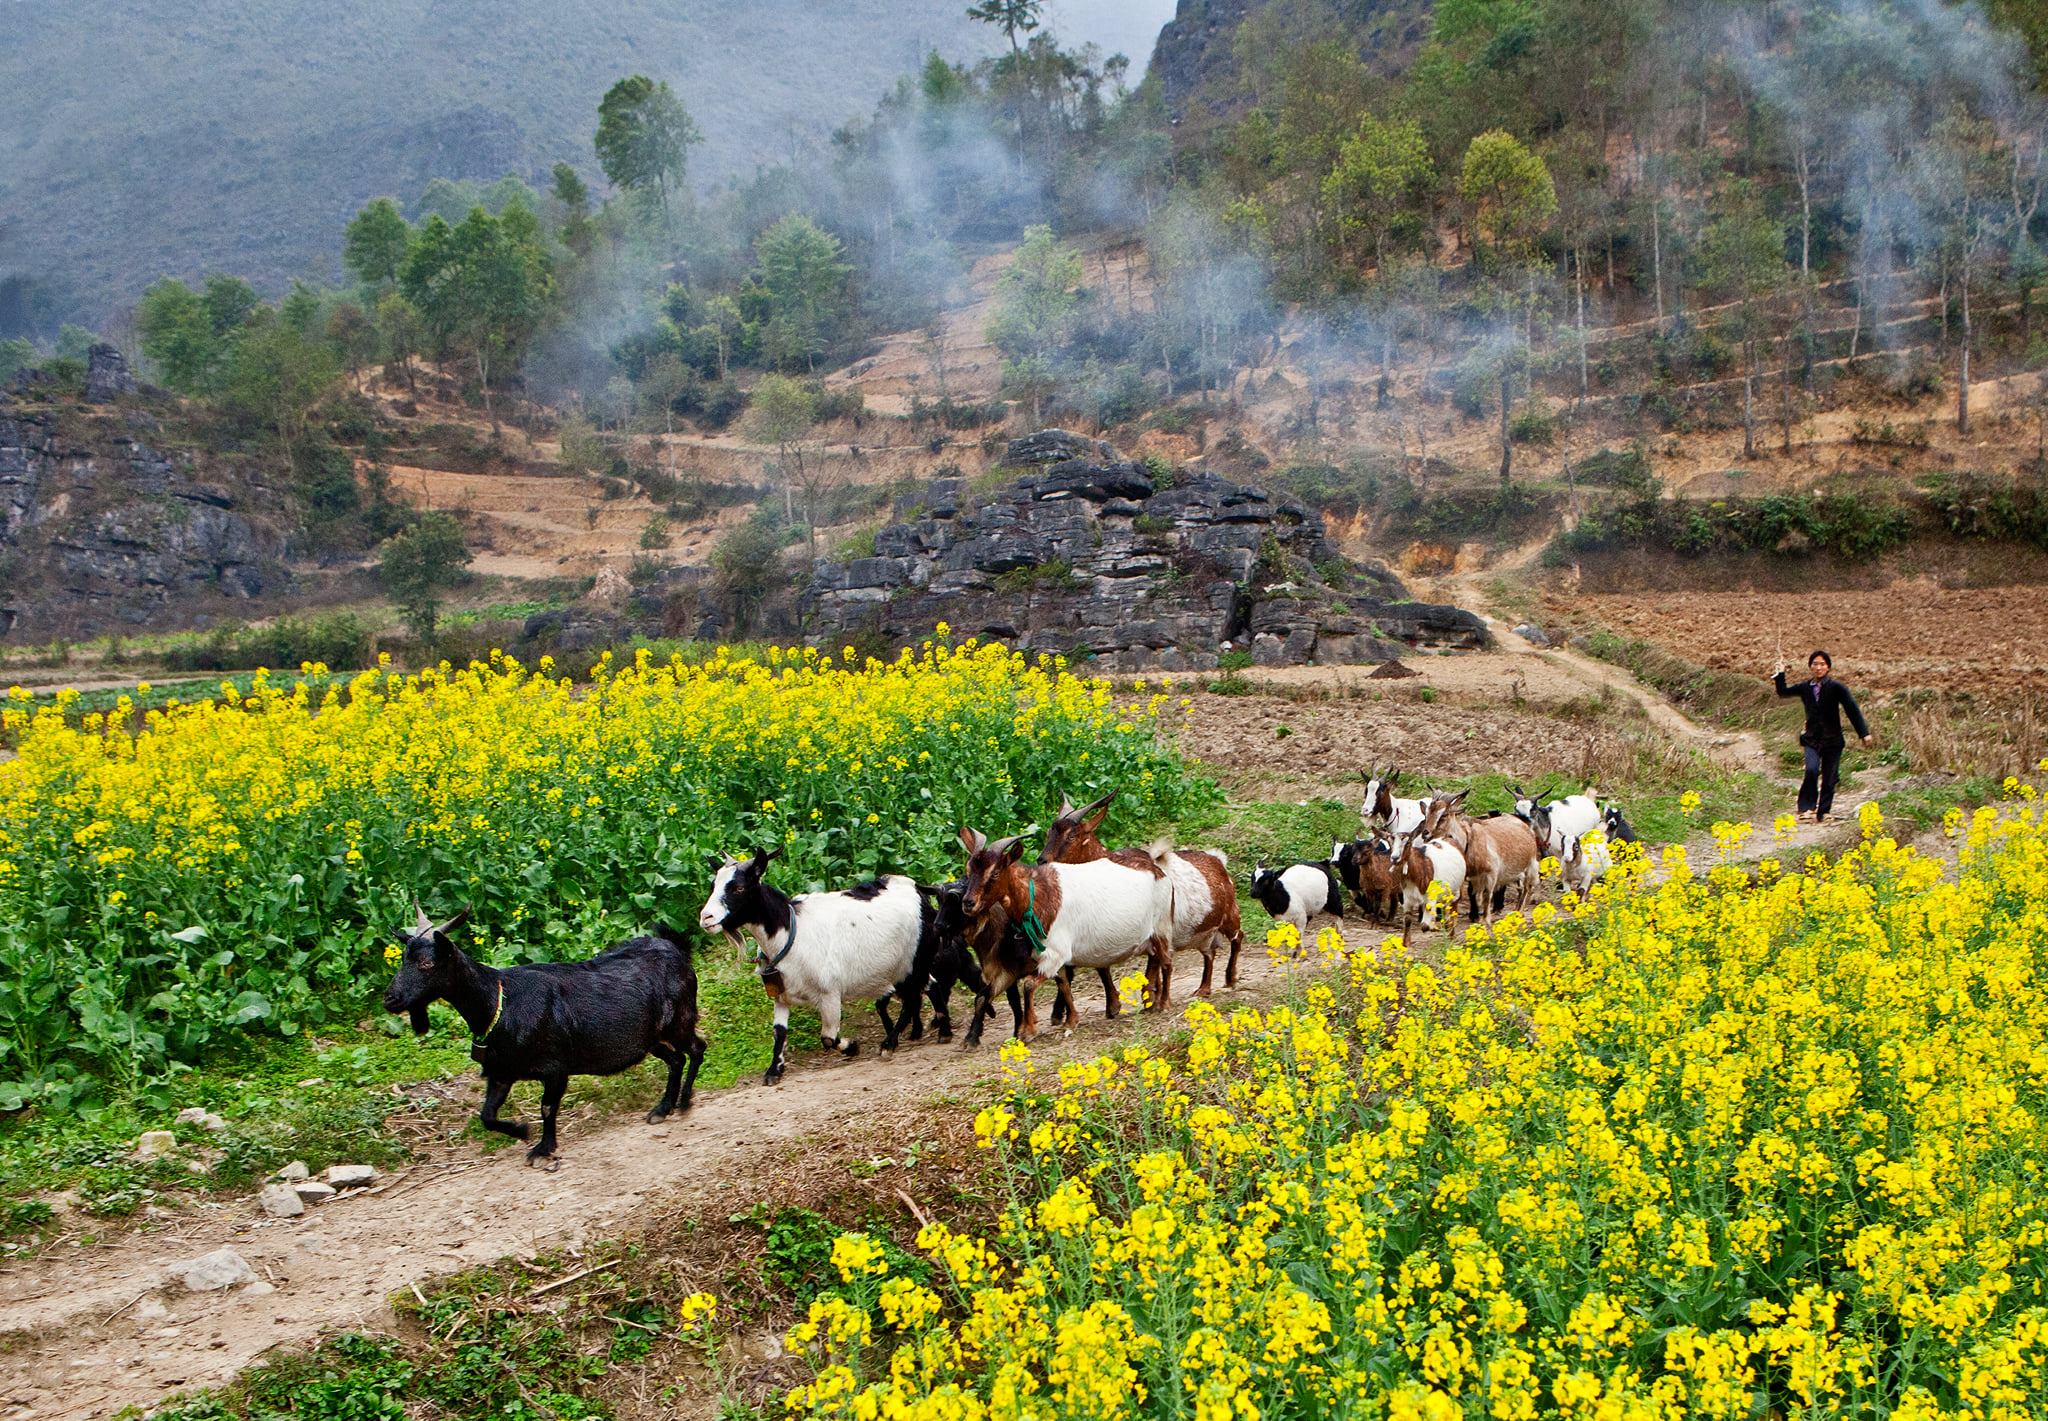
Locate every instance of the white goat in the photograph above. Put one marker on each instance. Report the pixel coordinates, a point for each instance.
(825, 949)
(1382, 813)
(1584, 860)
(1558, 820)
(1419, 862)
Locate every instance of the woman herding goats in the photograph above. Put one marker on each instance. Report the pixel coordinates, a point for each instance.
(1825, 699)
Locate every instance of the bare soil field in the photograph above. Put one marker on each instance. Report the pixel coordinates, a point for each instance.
(1990, 643)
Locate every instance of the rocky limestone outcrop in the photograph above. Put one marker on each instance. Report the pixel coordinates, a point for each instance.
(107, 376)
(1086, 553)
(101, 528)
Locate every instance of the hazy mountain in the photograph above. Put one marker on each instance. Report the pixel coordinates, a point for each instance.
(138, 139)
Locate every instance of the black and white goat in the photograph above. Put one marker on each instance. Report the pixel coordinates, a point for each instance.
(1299, 892)
(1382, 813)
(555, 1020)
(1619, 830)
(1558, 820)
(823, 950)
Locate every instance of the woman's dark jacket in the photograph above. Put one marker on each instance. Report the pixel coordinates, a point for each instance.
(1824, 702)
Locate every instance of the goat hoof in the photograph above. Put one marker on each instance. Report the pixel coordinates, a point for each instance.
(656, 1115)
(771, 1077)
(538, 1156)
(850, 1049)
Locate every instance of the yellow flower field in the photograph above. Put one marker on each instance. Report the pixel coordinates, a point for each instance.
(1721, 1146)
(239, 864)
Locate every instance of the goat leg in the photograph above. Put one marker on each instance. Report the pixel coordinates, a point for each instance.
(551, 1092)
(1162, 971)
(888, 1026)
(674, 1060)
(778, 1057)
(1108, 985)
(1208, 966)
(1236, 947)
(941, 995)
(984, 1008)
(495, 1091)
(695, 1051)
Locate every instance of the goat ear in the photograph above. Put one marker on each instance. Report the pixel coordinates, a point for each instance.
(715, 861)
(973, 840)
(764, 857)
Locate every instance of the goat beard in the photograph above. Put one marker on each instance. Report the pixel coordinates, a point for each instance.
(420, 1025)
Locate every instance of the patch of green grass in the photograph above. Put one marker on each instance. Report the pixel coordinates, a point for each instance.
(1922, 806)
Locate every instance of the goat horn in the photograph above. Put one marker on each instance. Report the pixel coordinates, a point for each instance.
(421, 922)
(1066, 805)
(1003, 846)
(1099, 804)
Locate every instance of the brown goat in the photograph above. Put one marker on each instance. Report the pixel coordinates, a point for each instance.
(1205, 912)
(1500, 852)
(1096, 915)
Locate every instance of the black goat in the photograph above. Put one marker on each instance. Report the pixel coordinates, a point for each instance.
(1619, 830)
(557, 1019)
(954, 960)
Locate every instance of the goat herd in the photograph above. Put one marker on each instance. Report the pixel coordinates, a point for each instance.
(1003, 928)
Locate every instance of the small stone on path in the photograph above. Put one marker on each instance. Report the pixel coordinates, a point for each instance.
(211, 1272)
(313, 1191)
(295, 1170)
(351, 1176)
(154, 1144)
(281, 1201)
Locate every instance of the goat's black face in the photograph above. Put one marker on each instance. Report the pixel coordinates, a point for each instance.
(1267, 888)
(425, 958)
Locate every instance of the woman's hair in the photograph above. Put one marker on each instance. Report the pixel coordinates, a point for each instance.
(1821, 656)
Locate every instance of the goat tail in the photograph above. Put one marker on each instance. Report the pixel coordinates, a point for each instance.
(677, 939)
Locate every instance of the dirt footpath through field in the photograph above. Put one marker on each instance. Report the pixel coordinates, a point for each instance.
(106, 1332)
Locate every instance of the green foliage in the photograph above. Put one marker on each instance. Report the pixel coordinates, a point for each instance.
(644, 136)
(1036, 298)
(746, 568)
(15, 355)
(656, 533)
(1988, 507)
(375, 243)
(801, 284)
(1618, 468)
(418, 564)
(1380, 183)
(1509, 189)
(1850, 526)
(337, 640)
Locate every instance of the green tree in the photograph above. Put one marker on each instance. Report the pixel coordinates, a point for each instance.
(353, 335)
(1377, 186)
(799, 271)
(1509, 191)
(481, 288)
(16, 354)
(782, 412)
(644, 136)
(229, 301)
(418, 564)
(1742, 262)
(398, 334)
(375, 242)
(745, 567)
(572, 195)
(279, 375)
(1012, 17)
(178, 337)
(1036, 300)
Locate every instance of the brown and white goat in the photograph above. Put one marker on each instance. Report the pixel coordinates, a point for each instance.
(1205, 914)
(1415, 862)
(1087, 915)
(1501, 852)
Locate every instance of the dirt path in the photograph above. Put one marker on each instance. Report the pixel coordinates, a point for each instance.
(95, 1330)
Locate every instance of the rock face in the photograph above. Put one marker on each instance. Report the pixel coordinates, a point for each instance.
(1084, 553)
(100, 527)
(107, 376)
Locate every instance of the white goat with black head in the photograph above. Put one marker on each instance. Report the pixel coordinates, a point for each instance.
(825, 949)
(1558, 820)
(1382, 813)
